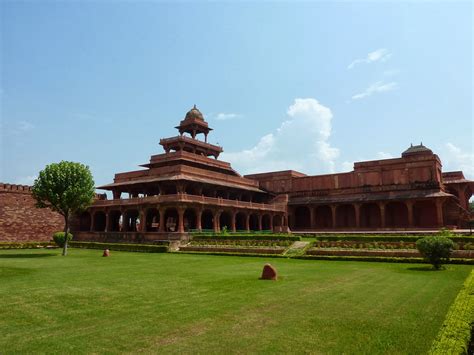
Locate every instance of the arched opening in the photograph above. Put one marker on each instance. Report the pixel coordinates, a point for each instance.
(225, 220)
(240, 221)
(115, 223)
(131, 222)
(302, 217)
(189, 219)
(253, 222)
(152, 220)
(396, 215)
(171, 220)
(266, 222)
(207, 220)
(99, 221)
(370, 216)
(323, 217)
(424, 214)
(85, 222)
(345, 216)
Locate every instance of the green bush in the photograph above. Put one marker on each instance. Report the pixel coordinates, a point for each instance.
(24, 245)
(58, 238)
(455, 332)
(435, 250)
(244, 236)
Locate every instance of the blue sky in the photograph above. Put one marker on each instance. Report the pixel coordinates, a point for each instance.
(308, 86)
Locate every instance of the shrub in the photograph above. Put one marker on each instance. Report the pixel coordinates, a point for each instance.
(455, 333)
(144, 248)
(435, 250)
(58, 238)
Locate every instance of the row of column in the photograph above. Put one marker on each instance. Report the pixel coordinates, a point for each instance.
(382, 210)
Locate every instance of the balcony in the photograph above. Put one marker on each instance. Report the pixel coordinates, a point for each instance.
(191, 199)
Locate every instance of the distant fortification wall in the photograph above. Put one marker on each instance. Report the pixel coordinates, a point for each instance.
(20, 220)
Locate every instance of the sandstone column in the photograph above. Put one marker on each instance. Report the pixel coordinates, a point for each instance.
(409, 205)
(162, 220)
(180, 220)
(198, 220)
(357, 214)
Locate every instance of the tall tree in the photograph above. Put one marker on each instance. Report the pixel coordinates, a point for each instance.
(65, 187)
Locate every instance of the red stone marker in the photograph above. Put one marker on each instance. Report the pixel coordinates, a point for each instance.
(269, 273)
(106, 252)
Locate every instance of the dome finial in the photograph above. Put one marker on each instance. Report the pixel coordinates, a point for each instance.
(194, 106)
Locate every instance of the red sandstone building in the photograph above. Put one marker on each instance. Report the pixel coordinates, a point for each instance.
(188, 188)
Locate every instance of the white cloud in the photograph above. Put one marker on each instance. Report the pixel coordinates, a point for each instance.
(379, 55)
(384, 155)
(377, 87)
(227, 116)
(454, 158)
(26, 180)
(25, 126)
(300, 143)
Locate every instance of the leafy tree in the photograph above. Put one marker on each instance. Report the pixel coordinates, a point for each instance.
(435, 249)
(65, 187)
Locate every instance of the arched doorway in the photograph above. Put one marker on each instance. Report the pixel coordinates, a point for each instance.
(266, 222)
(253, 222)
(302, 217)
(241, 221)
(225, 221)
(189, 219)
(396, 215)
(207, 220)
(370, 216)
(171, 220)
(323, 217)
(345, 216)
(152, 220)
(115, 221)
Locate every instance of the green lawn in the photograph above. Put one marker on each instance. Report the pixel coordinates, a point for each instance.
(138, 302)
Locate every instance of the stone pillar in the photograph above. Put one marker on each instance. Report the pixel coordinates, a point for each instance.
(247, 222)
(271, 222)
(333, 215)
(142, 220)
(180, 220)
(216, 217)
(107, 221)
(409, 205)
(260, 222)
(234, 214)
(382, 214)
(198, 220)
(439, 213)
(312, 212)
(162, 228)
(357, 214)
(116, 194)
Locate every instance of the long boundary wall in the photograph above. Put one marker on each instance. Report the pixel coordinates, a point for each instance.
(20, 220)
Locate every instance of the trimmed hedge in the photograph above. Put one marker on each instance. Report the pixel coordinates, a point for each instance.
(385, 238)
(231, 254)
(379, 259)
(237, 236)
(455, 333)
(143, 248)
(26, 245)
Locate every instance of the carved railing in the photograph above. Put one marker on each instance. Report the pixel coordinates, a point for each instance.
(186, 198)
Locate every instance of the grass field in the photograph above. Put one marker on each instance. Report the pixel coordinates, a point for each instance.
(138, 302)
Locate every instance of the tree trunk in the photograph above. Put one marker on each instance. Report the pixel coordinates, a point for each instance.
(66, 230)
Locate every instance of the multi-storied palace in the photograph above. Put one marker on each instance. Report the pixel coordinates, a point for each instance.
(188, 188)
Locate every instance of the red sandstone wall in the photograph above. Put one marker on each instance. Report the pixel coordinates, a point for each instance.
(20, 220)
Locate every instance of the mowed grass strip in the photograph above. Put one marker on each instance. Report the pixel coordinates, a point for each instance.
(137, 302)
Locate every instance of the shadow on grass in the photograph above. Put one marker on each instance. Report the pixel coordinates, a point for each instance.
(26, 256)
(424, 268)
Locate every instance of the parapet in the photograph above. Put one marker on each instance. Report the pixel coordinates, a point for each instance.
(4, 187)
